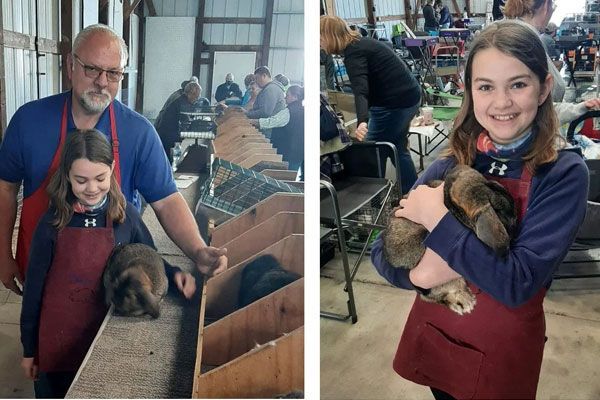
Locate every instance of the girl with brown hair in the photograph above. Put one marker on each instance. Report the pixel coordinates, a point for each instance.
(507, 130)
(63, 299)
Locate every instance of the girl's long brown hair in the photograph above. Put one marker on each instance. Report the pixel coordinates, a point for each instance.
(93, 146)
(336, 34)
(515, 39)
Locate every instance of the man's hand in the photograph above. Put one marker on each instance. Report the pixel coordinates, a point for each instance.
(29, 368)
(186, 284)
(592, 104)
(361, 131)
(10, 274)
(211, 261)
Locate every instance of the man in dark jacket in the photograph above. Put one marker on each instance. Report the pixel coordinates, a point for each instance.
(228, 89)
(271, 98)
(168, 124)
(431, 22)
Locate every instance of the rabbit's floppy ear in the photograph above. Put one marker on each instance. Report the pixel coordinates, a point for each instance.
(489, 230)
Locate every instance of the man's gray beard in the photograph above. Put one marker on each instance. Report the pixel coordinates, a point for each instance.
(91, 106)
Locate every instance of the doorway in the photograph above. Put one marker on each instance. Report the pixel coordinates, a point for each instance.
(239, 63)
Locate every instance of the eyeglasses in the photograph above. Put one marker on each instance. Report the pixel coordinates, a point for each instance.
(94, 72)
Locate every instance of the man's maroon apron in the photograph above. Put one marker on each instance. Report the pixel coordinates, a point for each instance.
(495, 352)
(73, 305)
(36, 204)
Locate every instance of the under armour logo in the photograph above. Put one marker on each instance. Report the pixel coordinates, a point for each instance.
(501, 168)
(90, 222)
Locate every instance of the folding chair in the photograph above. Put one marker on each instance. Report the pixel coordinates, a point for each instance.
(356, 197)
(579, 260)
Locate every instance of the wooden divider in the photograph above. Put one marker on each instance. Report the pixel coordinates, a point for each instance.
(258, 323)
(293, 202)
(256, 158)
(263, 235)
(222, 290)
(280, 174)
(245, 376)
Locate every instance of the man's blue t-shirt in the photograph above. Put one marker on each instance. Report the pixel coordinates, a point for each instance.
(32, 137)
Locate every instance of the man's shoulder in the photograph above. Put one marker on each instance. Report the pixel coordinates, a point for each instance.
(45, 105)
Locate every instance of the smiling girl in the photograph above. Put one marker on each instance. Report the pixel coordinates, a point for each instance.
(63, 299)
(507, 129)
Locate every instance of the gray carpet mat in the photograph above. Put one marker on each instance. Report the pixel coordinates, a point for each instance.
(145, 357)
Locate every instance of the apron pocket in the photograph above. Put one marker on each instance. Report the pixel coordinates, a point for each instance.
(448, 365)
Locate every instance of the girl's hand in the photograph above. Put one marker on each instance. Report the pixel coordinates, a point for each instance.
(361, 131)
(424, 205)
(29, 368)
(185, 283)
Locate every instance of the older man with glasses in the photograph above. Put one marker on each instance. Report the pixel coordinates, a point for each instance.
(33, 141)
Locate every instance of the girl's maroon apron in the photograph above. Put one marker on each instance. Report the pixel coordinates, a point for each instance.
(73, 305)
(36, 204)
(495, 352)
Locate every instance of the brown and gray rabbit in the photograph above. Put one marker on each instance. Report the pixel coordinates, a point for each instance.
(135, 281)
(484, 206)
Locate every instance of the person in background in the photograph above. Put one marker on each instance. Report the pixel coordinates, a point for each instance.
(431, 21)
(497, 10)
(248, 81)
(548, 37)
(445, 16)
(386, 94)
(271, 98)
(228, 90)
(289, 139)
(33, 140)
(175, 95)
(63, 300)
(168, 126)
(536, 14)
(285, 82)
(506, 129)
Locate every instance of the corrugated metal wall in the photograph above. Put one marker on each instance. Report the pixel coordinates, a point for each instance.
(21, 66)
(347, 9)
(286, 54)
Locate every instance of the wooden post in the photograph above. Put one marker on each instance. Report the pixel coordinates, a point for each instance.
(330, 7)
(139, 98)
(468, 5)
(369, 8)
(66, 40)
(408, 16)
(266, 42)
(198, 43)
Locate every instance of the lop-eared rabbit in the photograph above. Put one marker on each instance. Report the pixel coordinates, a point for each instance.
(482, 205)
(135, 281)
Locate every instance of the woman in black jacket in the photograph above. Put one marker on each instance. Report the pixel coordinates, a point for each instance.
(289, 139)
(386, 94)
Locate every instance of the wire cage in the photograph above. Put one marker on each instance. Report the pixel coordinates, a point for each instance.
(232, 189)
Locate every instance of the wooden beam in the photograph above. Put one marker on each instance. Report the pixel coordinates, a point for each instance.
(139, 98)
(152, 10)
(66, 34)
(468, 5)
(198, 43)
(226, 20)
(267, 33)
(408, 16)
(17, 40)
(330, 7)
(369, 9)
(130, 8)
(3, 121)
(231, 47)
(456, 9)
(415, 17)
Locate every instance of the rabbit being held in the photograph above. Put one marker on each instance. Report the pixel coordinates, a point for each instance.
(135, 280)
(482, 205)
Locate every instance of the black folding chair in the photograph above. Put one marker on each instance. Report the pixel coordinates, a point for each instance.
(357, 197)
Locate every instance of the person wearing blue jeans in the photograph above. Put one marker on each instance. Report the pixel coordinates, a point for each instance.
(391, 125)
(386, 94)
